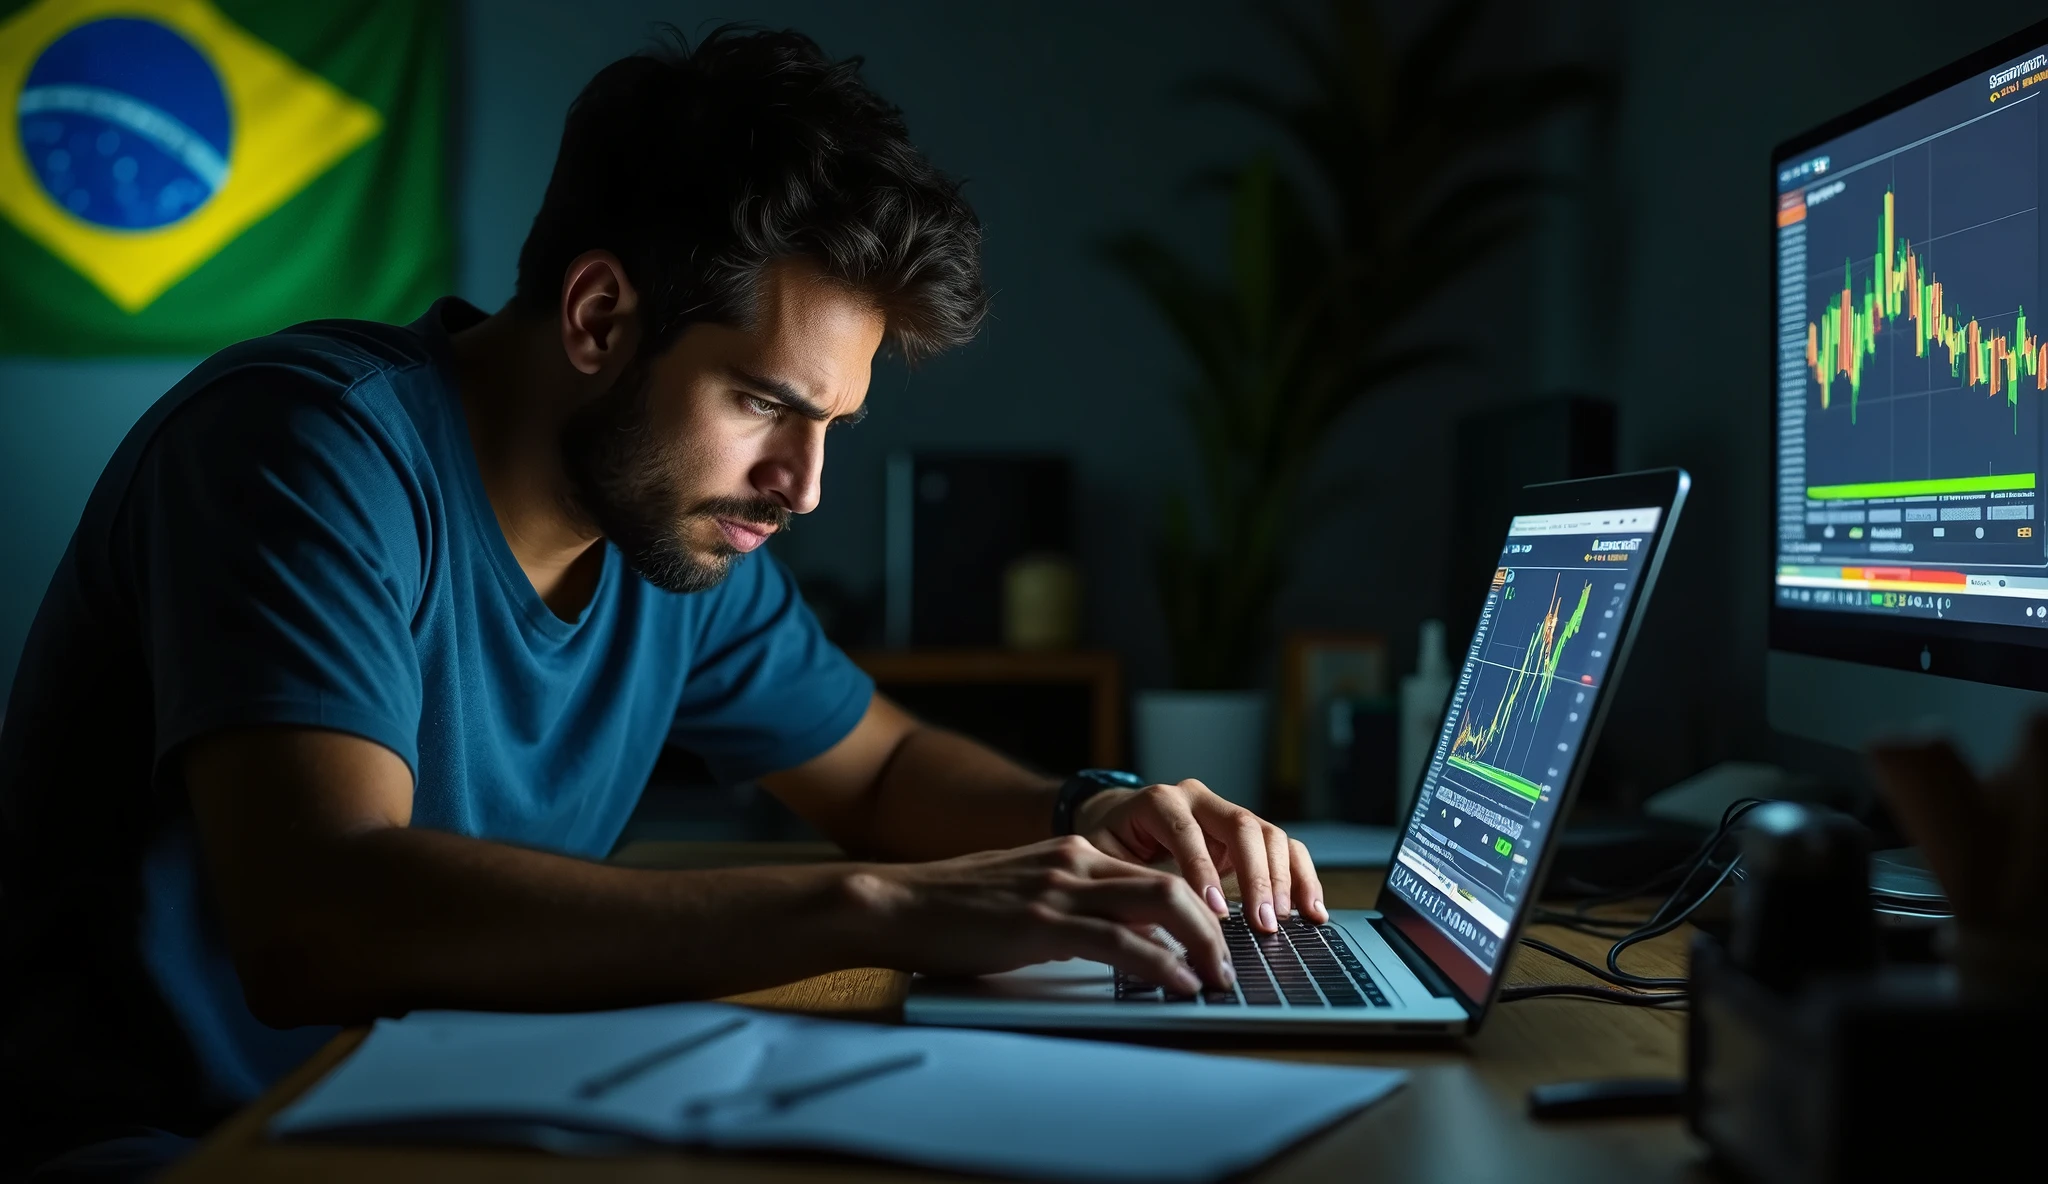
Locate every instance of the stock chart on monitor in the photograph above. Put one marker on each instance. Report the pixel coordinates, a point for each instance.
(1517, 719)
(1910, 372)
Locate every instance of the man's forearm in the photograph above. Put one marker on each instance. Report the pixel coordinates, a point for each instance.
(942, 794)
(398, 918)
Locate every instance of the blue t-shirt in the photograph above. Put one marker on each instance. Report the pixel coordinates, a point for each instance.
(298, 534)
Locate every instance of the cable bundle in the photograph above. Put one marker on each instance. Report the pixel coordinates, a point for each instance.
(1636, 990)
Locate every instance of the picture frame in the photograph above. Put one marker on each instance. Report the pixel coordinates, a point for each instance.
(1316, 664)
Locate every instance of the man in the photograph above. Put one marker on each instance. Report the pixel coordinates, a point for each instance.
(370, 635)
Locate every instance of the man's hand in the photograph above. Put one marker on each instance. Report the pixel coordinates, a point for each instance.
(1206, 836)
(1062, 898)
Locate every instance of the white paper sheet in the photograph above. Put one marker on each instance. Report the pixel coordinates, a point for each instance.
(992, 1102)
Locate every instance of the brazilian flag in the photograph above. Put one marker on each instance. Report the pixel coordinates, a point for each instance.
(176, 175)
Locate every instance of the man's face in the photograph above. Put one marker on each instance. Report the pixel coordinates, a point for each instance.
(696, 457)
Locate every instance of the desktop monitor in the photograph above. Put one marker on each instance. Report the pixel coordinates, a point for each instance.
(1910, 342)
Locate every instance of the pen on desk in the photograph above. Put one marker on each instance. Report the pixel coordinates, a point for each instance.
(603, 1083)
(782, 1097)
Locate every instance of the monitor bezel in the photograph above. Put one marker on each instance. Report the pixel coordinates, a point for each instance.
(1663, 488)
(2002, 655)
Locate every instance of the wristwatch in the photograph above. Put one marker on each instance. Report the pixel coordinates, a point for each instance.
(1084, 785)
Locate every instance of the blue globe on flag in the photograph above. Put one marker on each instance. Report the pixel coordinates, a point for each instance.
(125, 124)
(171, 182)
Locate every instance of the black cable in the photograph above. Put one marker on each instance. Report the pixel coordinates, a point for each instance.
(1571, 959)
(1684, 869)
(1705, 855)
(1634, 932)
(1589, 991)
(1659, 923)
(1658, 930)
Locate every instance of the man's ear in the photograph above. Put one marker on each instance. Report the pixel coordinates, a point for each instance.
(600, 313)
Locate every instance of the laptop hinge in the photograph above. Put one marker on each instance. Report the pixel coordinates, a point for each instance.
(1405, 950)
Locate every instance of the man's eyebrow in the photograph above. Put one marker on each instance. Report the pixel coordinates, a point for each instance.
(790, 397)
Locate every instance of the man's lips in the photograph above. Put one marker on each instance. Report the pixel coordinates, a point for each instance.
(744, 536)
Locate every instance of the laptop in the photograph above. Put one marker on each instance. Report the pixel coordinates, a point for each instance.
(1576, 569)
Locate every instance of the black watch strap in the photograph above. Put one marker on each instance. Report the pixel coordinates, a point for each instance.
(1084, 785)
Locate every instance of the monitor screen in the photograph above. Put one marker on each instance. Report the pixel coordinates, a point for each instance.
(1911, 362)
(1517, 721)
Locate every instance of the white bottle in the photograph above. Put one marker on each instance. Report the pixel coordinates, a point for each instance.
(1423, 695)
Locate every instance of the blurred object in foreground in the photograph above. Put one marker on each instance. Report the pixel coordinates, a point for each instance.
(1803, 906)
(1800, 1042)
(1982, 840)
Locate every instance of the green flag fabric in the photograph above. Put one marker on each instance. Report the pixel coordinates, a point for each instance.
(181, 174)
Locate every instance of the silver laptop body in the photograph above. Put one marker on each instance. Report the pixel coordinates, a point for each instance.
(1576, 570)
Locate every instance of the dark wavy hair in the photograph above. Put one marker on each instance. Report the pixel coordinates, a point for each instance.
(699, 167)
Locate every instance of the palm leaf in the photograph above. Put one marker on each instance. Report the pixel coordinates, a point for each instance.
(1293, 331)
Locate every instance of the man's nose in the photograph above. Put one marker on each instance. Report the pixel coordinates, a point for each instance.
(793, 473)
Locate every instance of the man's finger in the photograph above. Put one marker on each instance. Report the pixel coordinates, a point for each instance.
(1127, 950)
(1123, 948)
(1308, 887)
(1280, 868)
(1247, 838)
(1169, 818)
(1165, 901)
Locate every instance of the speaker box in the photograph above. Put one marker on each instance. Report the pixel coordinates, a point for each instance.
(954, 524)
(1498, 451)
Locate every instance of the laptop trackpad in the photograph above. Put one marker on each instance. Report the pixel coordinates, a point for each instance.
(1072, 981)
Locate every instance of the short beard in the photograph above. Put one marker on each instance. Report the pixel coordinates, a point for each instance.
(624, 483)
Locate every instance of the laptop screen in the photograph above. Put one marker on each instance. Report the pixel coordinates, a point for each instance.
(1516, 722)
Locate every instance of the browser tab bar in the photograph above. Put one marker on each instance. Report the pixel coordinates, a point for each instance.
(1585, 522)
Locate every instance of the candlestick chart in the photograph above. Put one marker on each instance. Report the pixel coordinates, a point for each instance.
(1486, 741)
(1901, 295)
(1909, 286)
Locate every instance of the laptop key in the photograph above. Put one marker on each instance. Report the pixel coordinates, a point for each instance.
(1332, 979)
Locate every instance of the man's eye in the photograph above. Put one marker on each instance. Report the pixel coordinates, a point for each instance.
(767, 408)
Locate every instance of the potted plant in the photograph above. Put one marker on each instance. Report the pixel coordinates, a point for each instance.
(1404, 190)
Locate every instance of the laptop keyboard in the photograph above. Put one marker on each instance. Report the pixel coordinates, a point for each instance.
(1303, 965)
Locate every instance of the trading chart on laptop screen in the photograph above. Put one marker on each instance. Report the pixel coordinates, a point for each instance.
(1912, 358)
(1518, 715)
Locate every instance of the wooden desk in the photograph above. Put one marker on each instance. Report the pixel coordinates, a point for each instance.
(1460, 1118)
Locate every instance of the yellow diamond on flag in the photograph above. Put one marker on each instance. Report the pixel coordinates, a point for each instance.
(150, 133)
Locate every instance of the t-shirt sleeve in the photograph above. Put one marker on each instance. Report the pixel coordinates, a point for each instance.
(273, 533)
(766, 691)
